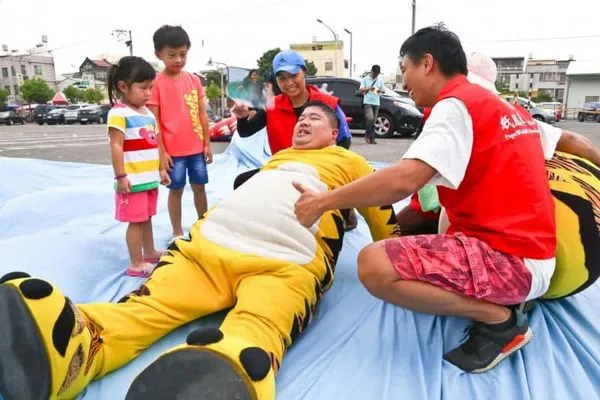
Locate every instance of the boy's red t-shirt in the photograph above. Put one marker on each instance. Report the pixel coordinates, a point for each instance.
(178, 100)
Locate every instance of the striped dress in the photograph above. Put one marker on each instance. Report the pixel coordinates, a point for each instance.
(140, 147)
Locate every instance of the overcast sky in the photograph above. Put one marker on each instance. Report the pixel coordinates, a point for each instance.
(237, 32)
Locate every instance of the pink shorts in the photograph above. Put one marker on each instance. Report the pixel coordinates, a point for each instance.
(136, 207)
(461, 264)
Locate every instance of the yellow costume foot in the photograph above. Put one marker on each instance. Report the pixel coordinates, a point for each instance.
(209, 367)
(46, 352)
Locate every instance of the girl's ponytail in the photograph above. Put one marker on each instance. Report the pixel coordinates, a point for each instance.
(112, 81)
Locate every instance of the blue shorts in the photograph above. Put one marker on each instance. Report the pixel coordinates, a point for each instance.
(195, 165)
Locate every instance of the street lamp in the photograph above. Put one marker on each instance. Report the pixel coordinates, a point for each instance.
(335, 41)
(210, 63)
(351, 65)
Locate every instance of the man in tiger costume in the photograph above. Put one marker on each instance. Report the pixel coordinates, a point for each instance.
(270, 270)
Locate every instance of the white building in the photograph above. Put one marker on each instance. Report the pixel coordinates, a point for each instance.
(328, 56)
(583, 83)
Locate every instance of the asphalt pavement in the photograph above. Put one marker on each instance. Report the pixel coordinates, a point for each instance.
(89, 143)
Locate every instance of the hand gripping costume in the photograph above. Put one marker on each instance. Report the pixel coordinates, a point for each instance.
(248, 253)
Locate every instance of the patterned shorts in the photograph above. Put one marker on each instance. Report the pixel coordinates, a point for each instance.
(461, 264)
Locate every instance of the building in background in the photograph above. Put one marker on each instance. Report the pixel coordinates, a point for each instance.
(328, 56)
(582, 83)
(17, 68)
(534, 77)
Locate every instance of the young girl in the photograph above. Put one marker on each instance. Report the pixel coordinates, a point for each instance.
(135, 160)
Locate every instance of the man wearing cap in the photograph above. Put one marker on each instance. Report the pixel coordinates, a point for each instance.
(371, 88)
(486, 159)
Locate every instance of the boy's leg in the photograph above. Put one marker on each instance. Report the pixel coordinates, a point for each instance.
(177, 175)
(240, 359)
(73, 345)
(458, 276)
(198, 175)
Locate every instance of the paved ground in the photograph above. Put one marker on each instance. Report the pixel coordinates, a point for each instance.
(89, 143)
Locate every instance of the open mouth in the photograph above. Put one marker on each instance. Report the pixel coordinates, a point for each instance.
(303, 132)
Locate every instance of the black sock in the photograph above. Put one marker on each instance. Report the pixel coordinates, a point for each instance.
(502, 326)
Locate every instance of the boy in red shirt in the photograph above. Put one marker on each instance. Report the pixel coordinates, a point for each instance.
(178, 104)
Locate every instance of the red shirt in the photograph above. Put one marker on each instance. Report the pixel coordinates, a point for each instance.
(178, 100)
(281, 118)
(504, 198)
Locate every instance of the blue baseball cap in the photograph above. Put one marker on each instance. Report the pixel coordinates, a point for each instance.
(289, 61)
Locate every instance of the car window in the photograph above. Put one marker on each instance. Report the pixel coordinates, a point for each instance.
(4, 114)
(344, 90)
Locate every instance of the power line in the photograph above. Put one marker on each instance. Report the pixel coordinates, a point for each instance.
(539, 39)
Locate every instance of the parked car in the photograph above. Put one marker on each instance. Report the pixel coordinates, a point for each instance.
(589, 111)
(541, 114)
(554, 106)
(40, 112)
(72, 113)
(55, 116)
(394, 116)
(11, 118)
(93, 113)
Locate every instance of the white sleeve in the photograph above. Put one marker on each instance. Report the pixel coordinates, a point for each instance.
(550, 137)
(445, 143)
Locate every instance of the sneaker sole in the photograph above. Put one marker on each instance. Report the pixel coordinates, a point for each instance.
(189, 374)
(24, 365)
(526, 339)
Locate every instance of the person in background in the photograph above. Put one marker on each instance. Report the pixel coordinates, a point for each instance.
(371, 88)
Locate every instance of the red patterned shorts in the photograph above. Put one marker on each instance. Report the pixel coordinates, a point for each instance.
(461, 264)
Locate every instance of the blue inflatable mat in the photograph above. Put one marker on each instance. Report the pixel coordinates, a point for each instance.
(56, 222)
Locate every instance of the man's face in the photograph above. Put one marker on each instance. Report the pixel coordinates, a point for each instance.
(374, 74)
(174, 58)
(417, 79)
(313, 130)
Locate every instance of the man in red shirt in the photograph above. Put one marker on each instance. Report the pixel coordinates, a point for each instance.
(499, 250)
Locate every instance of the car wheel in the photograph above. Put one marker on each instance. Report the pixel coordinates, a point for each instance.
(539, 118)
(384, 126)
(101, 120)
(580, 117)
(10, 122)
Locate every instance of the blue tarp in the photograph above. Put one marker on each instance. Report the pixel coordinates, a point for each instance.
(56, 222)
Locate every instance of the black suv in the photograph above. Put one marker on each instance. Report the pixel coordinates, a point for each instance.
(93, 113)
(589, 111)
(394, 114)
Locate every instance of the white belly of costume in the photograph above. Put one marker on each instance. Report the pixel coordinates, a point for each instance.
(258, 218)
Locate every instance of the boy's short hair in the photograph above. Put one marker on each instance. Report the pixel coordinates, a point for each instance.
(328, 111)
(170, 36)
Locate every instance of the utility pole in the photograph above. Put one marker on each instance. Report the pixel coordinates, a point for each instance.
(350, 33)
(414, 13)
(128, 43)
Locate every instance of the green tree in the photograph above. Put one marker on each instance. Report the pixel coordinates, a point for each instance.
(214, 76)
(311, 69)
(36, 91)
(73, 94)
(265, 62)
(212, 91)
(3, 98)
(93, 96)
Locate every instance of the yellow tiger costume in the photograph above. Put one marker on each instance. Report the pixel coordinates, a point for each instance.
(575, 186)
(248, 252)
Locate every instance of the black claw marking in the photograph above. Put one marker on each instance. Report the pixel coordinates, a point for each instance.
(204, 336)
(13, 275)
(256, 362)
(64, 325)
(162, 264)
(35, 289)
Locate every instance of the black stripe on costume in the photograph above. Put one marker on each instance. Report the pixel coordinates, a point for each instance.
(588, 167)
(589, 233)
(64, 325)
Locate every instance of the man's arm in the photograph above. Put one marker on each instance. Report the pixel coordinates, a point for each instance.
(250, 125)
(578, 145)
(363, 86)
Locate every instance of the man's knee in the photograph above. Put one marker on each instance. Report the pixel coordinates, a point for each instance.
(374, 267)
(198, 189)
